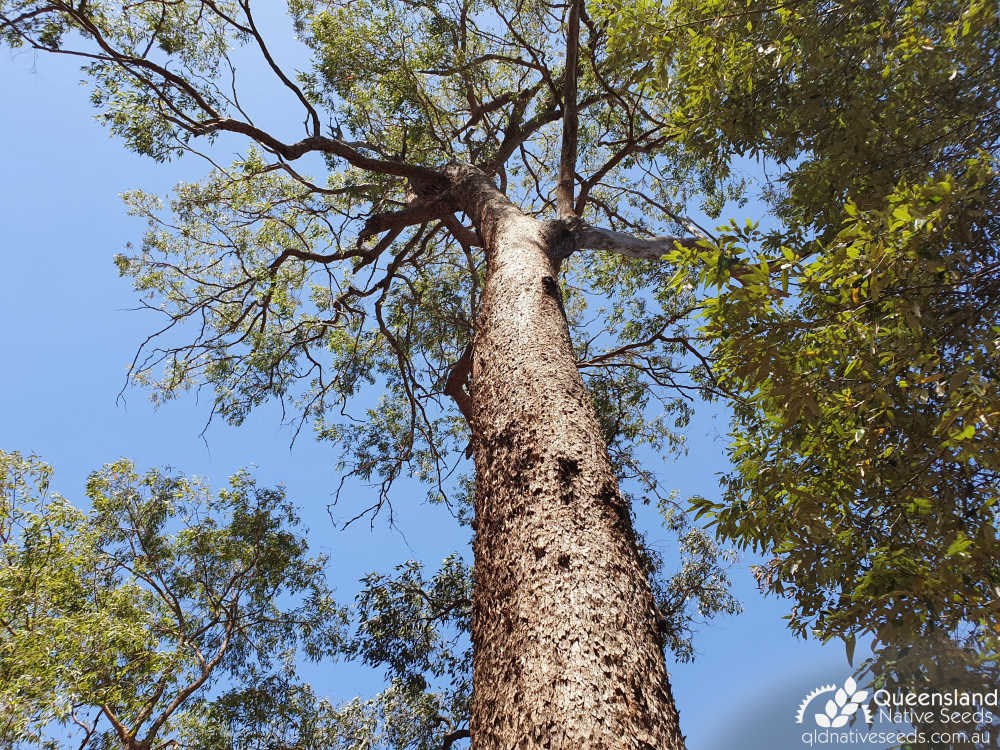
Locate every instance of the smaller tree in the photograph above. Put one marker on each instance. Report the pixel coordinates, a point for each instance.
(140, 622)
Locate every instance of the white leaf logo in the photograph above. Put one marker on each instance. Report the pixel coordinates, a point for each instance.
(840, 708)
(831, 709)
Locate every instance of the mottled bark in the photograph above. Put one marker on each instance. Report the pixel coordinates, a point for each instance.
(567, 650)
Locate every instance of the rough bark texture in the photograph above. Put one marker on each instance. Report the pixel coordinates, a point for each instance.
(567, 651)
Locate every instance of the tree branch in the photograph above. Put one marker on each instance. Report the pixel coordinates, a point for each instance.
(589, 237)
(206, 672)
(455, 385)
(215, 120)
(452, 737)
(567, 155)
(417, 212)
(119, 728)
(312, 114)
(463, 234)
(293, 151)
(630, 147)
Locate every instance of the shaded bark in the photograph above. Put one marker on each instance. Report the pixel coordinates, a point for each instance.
(567, 649)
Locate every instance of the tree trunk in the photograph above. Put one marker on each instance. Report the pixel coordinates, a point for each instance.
(567, 653)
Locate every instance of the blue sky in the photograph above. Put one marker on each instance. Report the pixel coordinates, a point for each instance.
(68, 336)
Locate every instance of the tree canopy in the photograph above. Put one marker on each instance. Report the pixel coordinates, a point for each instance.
(860, 335)
(120, 620)
(318, 291)
(856, 340)
(313, 290)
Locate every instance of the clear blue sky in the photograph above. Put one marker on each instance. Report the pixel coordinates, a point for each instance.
(68, 336)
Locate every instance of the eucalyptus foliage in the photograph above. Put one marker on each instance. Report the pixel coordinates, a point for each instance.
(276, 284)
(164, 614)
(328, 268)
(857, 341)
(129, 621)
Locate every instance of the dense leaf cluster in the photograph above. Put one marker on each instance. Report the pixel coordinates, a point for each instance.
(860, 335)
(130, 621)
